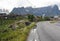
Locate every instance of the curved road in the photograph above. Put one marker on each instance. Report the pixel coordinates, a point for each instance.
(45, 31)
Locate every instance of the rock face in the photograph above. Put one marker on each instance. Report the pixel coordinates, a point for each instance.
(48, 11)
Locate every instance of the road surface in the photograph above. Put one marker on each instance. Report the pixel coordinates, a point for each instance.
(45, 31)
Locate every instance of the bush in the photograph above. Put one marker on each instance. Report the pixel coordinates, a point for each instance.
(30, 18)
(25, 32)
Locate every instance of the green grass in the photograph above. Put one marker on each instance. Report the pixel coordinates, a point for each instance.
(24, 33)
(19, 34)
(53, 21)
(5, 24)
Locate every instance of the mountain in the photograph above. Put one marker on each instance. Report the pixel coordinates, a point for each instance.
(48, 11)
(2, 11)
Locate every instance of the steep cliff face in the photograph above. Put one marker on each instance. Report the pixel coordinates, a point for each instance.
(48, 11)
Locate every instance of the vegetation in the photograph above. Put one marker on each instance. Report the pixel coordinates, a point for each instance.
(17, 28)
(24, 33)
(39, 18)
(30, 18)
(14, 29)
(53, 21)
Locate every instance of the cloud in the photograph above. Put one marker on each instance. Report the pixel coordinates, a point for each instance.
(9, 4)
(42, 3)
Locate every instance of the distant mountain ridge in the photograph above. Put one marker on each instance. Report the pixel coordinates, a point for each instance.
(4, 10)
(48, 11)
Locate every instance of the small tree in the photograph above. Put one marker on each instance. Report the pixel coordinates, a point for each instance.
(31, 17)
(47, 19)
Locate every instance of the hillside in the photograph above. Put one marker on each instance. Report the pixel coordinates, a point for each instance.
(48, 11)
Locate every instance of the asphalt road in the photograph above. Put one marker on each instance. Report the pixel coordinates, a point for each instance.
(45, 31)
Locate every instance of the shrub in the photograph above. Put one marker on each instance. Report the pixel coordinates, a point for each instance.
(30, 18)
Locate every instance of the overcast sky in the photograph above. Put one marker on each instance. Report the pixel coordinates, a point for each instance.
(10, 4)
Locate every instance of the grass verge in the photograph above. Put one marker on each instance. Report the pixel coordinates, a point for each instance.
(24, 33)
(16, 35)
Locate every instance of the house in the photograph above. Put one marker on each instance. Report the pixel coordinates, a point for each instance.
(3, 15)
(55, 18)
